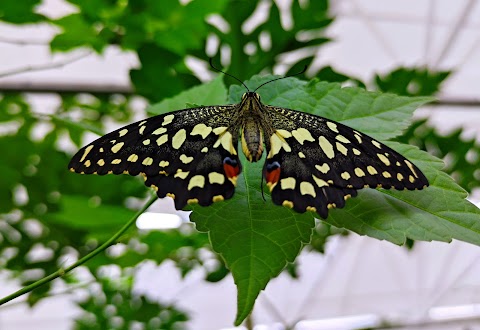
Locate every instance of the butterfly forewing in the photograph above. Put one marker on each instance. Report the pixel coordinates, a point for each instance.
(314, 163)
(189, 154)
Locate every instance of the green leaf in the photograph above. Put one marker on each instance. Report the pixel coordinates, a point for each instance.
(150, 80)
(87, 213)
(210, 93)
(461, 154)
(257, 239)
(439, 212)
(20, 12)
(331, 75)
(77, 32)
(311, 17)
(411, 81)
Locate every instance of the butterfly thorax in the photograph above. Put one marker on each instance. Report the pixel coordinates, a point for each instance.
(254, 123)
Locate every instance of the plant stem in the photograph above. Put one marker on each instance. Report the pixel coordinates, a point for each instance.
(60, 272)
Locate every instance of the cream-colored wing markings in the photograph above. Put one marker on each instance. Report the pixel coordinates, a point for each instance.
(314, 163)
(189, 154)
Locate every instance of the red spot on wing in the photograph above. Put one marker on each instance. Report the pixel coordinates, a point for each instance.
(231, 171)
(273, 176)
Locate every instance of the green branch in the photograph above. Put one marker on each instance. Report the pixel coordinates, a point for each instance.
(83, 260)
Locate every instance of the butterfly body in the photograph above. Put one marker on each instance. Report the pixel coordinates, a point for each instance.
(191, 155)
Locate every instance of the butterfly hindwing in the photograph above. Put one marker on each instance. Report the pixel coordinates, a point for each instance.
(188, 154)
(314, 163)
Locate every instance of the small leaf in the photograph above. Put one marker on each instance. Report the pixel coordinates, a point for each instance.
(412, 81)
(77, 32)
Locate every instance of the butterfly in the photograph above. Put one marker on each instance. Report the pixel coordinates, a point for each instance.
(191, 155)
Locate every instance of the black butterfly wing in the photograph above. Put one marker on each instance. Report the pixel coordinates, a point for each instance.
(190, 155)
(314, 163)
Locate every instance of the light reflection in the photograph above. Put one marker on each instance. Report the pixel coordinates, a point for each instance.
(158, 221)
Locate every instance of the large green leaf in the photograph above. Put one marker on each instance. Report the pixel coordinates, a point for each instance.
(257, 239)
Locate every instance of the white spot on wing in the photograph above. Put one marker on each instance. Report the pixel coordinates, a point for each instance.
(320, 182)
(201, 129)
(159, 131)
(167, 119)
(384, 159)
(332, 126)
(377, 144)
(85, 153)
(147, 161)
(345, 175)
(179, 138)
(371, 170)
(277, 142)
(215, 177)
(196, 181)
(185, 159)
(341, 148)
(182, 175)
(306, 188)
(359, 172)
(287, 183)
(162, 139)
(116, 148)
(410, 166)
(324, 168)
(132, 158)
(164, 163)
(326, 147)
(342, 138)
(302, 135)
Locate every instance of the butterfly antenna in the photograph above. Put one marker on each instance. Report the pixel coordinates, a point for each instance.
(292, 75)
(227, 74)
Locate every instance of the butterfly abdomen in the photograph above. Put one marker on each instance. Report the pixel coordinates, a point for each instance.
(252, 140)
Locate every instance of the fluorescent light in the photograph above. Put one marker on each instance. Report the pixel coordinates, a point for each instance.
(151, 220)
(347, 322)
(454, 312)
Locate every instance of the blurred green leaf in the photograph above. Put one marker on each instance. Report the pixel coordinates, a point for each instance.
(461, 154)
(213, 92)
(411, 81)
(331, 75)
(20, 12)
(162, 74)
(77, 32)
(251, 53)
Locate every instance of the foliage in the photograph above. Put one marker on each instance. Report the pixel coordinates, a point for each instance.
(45, 208)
